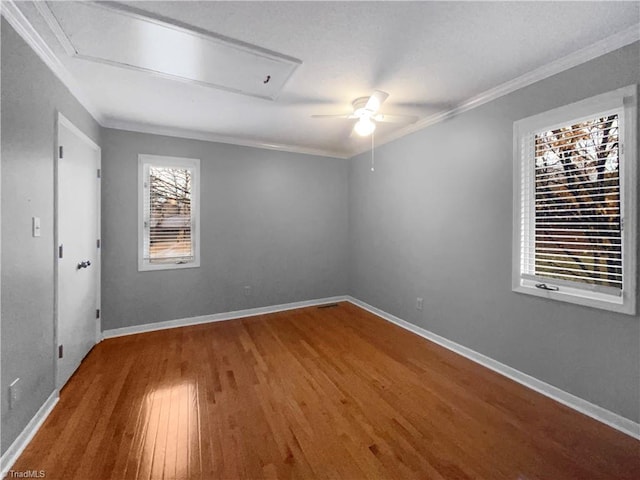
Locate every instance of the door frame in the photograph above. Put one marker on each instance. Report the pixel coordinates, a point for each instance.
(62, 120)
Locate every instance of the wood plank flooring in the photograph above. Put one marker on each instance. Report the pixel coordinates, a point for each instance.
(332, 393)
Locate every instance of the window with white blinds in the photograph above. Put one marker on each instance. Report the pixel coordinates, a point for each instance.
(575, 194)
(168, 212)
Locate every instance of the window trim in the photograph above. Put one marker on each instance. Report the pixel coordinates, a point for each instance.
(168, 161)
(624, 99)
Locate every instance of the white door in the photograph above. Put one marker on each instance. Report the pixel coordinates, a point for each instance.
(78, 253)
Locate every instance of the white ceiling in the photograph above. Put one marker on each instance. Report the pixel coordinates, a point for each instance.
(429, 56)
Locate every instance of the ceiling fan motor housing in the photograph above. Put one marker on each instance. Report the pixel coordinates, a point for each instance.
(359, 109)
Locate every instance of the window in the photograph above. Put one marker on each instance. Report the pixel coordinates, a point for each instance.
(169, 209)
(574, 202)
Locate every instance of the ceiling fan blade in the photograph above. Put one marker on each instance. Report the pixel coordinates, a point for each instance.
(435, 105)
(382, 117)
(343, 115)
(375, 100)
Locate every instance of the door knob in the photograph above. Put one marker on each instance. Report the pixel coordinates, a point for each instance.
(84, 264)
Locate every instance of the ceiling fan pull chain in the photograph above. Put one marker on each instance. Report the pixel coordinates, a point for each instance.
(373, 165)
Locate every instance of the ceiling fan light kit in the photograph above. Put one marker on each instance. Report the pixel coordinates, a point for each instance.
(365, 126)
(365, 110)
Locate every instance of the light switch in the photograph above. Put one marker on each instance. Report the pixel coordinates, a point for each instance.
(35, 222)
(14, 393)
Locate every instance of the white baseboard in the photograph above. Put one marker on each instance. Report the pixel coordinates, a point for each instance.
(603, 415)
(218, 317)
(19, 444)
(596, 412)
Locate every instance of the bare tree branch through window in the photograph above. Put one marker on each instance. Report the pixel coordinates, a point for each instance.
(577, 203)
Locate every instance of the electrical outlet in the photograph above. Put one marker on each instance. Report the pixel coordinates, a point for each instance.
(247, 290)
(419, 303)
(14, 393)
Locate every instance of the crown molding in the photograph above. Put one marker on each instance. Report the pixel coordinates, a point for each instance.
(56, 28)
(213, 137)
(221, 41)
(19, 22)
(602, 47)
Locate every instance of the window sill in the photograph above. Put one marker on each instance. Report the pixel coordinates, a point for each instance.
(167, 266)
(622, 304)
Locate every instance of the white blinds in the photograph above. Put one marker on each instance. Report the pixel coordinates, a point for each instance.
(168, 214)
(571, 202)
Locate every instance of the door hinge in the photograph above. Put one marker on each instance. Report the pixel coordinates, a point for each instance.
(621, 224)
(60, 351)
(97, 313)
(60, 251)
(60, 151)
(98, 243)
(99, 173)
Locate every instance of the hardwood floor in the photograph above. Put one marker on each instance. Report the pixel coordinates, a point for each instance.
(311, 393)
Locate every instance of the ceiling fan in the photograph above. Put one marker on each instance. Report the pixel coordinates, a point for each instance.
(365, 110)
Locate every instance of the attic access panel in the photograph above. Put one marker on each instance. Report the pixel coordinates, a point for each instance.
(130, 38)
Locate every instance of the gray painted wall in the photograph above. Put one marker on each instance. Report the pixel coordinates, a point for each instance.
(434, 221)
(31, 97)
(272, 220)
